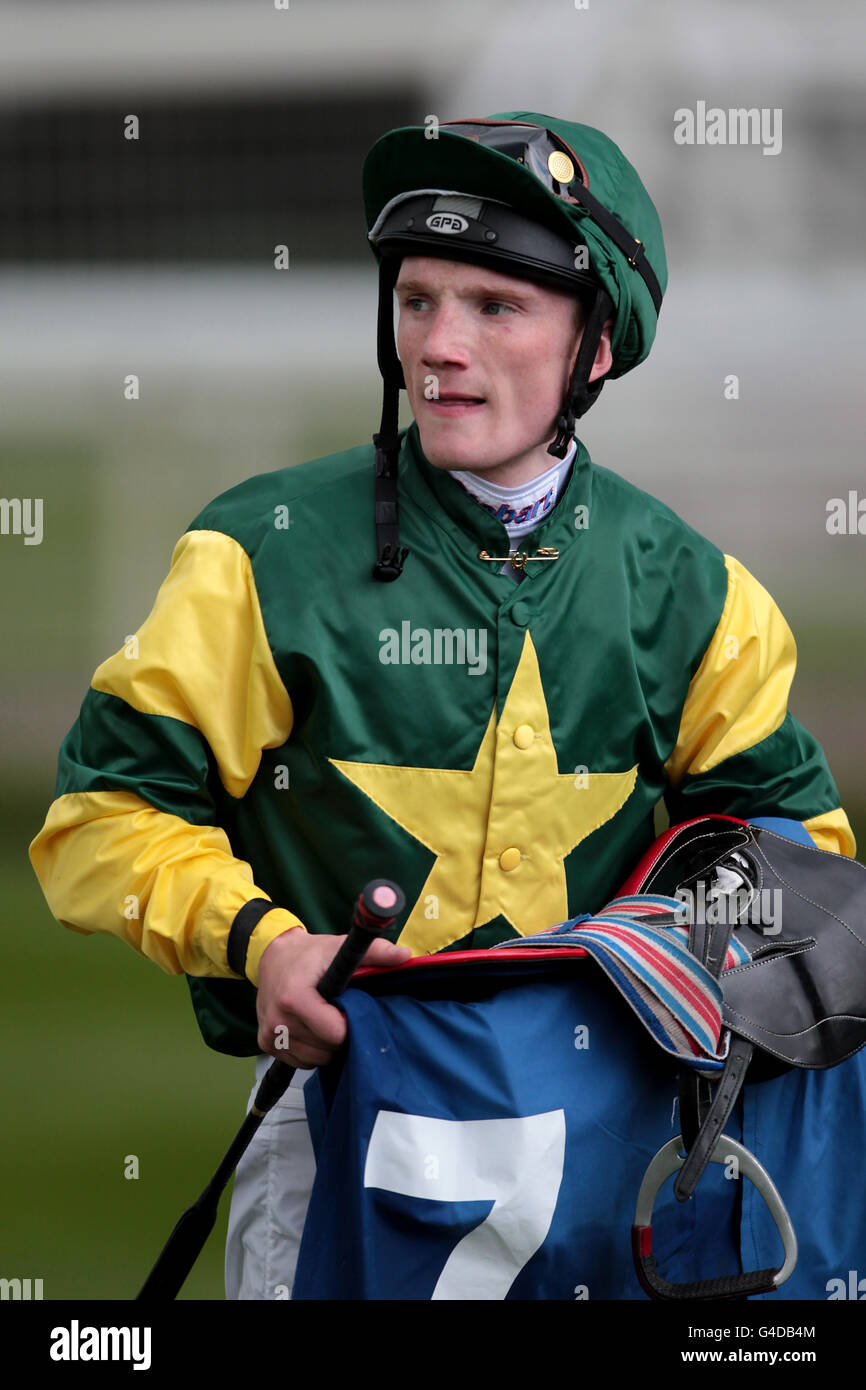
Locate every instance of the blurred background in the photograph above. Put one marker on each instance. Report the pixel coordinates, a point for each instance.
(154, 256)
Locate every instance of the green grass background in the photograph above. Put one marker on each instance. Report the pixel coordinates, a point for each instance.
(101, 1059)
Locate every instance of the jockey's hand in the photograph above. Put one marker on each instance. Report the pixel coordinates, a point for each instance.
(296, 1025)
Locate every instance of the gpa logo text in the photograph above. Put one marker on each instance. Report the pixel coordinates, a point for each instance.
(449, 222)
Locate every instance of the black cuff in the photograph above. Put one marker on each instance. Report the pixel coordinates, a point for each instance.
(242, 929)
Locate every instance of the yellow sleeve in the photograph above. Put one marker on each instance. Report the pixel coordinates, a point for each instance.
(739, 751)
(130, 847)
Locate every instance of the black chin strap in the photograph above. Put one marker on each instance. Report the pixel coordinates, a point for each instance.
(582, 393)
(391, 555)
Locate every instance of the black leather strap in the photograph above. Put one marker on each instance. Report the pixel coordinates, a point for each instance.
(629, 245)
(709, 943)
(242, 929)
(390, 554)
(695, 1098)
(582, 393)
(715, 1119)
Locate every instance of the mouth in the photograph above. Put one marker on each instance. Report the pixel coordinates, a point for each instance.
(455, 403)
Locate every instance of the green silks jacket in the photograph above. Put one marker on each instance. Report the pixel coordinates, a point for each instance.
(284, 726)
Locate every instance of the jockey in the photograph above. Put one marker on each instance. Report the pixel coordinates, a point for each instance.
(465, 657)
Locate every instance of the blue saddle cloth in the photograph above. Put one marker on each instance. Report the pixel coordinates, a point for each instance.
(492, 1146)
(415, 1199)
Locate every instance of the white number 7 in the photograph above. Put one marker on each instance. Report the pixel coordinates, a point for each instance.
(516, 1163)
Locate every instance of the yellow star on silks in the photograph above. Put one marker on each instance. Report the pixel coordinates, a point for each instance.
(501, 831)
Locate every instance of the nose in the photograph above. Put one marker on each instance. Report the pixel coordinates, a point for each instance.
(447, 342)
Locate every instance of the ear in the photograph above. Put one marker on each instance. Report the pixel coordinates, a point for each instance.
(603, 357)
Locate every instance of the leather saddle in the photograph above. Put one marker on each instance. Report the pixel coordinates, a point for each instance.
(796, 997)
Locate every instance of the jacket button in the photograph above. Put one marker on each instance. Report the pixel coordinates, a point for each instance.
(524, 736)
(520, 614)
(509, 859)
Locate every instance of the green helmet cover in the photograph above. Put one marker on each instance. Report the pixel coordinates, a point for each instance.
(414, 157)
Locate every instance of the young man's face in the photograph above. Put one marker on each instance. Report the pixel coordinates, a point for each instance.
(487, 358)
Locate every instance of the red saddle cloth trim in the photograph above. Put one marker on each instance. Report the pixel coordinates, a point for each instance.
(466, 957)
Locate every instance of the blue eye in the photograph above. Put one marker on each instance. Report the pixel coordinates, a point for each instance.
(497, 304)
